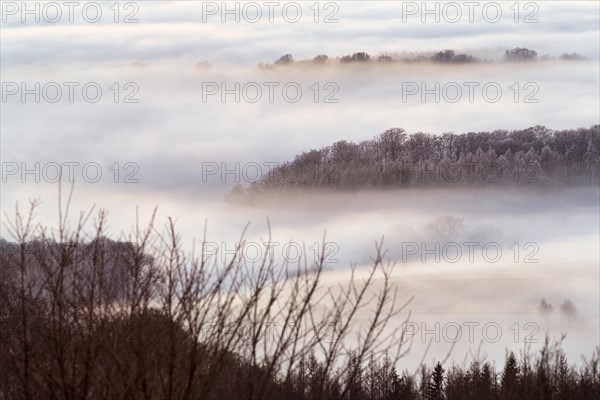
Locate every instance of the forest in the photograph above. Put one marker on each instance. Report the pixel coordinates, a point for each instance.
(448, 56)
(536, 156)
(83, 316)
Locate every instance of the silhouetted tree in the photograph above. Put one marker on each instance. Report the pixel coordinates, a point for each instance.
(510, 378)
(545, 308)
(568, 310)
(385, 59)
(449, 56)
(356, 57)
(435, 389)
(284, 60)
(520, 54)
(572, 56)
(320, 59)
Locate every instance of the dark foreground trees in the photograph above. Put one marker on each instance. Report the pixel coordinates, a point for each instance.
(86, 317)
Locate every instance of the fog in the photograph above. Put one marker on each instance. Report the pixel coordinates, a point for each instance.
(547, 242)
(176, 131)
(369, 99)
